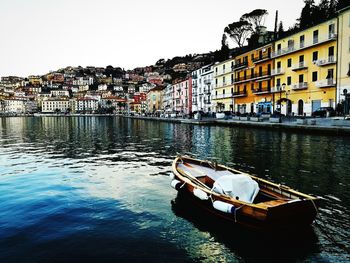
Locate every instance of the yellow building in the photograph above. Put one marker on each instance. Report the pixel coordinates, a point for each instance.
(155, 100)
(35, 80)
(253, 83)
(305, 68)
(223, 87)
(343, 71)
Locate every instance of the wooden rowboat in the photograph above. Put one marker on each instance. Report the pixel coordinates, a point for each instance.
(242, 198)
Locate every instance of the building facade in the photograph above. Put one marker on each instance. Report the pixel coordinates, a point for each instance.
(343, 58)
(305, 68)
(202, 89)
(223, 86)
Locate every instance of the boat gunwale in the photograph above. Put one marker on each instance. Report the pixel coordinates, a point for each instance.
(194, 183)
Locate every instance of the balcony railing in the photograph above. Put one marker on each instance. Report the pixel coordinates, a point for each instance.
(207, 81)
(207, 91)
(240, 65)
(240, 93)
(299, 86)
(222, 96)
(299, 66)
(326, 61)
(262, 91)
(277, 71)
(277, 89)
(256, 75)
(262, 58)
(207, 101)
(295, 48)
(326, 83)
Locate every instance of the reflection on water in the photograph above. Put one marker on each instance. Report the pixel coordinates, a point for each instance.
(96, 189)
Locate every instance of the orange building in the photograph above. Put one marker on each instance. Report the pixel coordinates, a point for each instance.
(253, 84)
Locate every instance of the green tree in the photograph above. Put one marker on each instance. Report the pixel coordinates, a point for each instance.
(239, 32)
(256, 19)
(307, 14)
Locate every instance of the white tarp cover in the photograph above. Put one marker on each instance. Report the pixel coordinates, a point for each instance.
(237, 185)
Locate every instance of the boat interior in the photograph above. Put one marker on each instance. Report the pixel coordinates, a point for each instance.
(207, 174)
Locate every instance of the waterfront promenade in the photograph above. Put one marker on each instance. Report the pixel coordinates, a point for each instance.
(335, 126)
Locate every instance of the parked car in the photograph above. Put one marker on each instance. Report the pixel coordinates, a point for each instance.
(324, 112)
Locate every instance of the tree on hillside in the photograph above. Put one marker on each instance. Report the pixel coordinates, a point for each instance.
(239, 31)
(225, 50)
(280, 30)
(332, 8)
(306, 17)
(256, 18)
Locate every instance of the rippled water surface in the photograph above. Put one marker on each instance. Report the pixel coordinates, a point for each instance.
(97, 190)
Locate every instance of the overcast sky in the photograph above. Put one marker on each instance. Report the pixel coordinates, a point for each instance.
(37, 36)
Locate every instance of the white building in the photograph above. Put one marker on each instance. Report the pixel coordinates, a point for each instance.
(168, 94)
(202, 89)
(59, 93)
(86, 105)
(14, 106)
(54, 105)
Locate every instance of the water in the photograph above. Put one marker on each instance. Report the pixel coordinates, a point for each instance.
(97, 190)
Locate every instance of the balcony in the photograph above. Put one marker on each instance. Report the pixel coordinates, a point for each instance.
(326, 83)
(207, 101)
(240, 93)
(304, 45)
(300, 86)
(194, 102)
(299, 66)
(277, 71)
(194, 76)
(194, 93)
(255, 76)
(240, 65)
(207, 91)
(262, 91)
(262, 58)
(222, 96)
(277, 89)
(326, 61)
(207, 81)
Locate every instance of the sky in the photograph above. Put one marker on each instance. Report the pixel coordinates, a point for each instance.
(38, 36)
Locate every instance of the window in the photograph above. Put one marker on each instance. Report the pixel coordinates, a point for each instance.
(278, 82)
(331, 30)
(279, 64)
(290, 44)
(315, 35)
(302, 41)
(315, 56)
(301, 78)
(252, 86)
(314, 76)
(289, 80)
(330, 74)
(223, 91)
(301, 58)
(289, 62)
(331, 52)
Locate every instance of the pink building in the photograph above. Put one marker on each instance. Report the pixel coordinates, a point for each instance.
(182, 96)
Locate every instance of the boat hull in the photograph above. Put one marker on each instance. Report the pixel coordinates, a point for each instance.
(298, 211)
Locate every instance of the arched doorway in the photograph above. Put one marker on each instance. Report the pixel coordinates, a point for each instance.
(300, 107)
